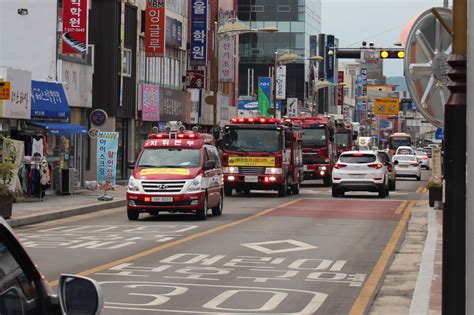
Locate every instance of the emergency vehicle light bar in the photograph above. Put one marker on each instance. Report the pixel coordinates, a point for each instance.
(254, 120)
(169, 136)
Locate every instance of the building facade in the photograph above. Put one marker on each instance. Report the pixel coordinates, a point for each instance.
(296, 22)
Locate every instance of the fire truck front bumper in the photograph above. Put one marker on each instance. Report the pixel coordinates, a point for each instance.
(316, 171)
(254, 182)
(172, 203)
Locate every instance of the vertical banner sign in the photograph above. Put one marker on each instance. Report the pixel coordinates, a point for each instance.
(340, 88)
(122, 49)
(150, 102)
(198, 33)
(75, 19)
(226, 48)
(330, 58)
(281, 82)
(107, 146)
(264, 93)
(292, 107)
(155, 28)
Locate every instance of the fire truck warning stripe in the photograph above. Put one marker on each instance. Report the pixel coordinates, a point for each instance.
(177, 242)
(367, 293)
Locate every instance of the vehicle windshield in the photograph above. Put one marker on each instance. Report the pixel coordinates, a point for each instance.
(397, 142)
(253, 140)
(342, 139)
(357, 158)
(170, 158)
(314, 138)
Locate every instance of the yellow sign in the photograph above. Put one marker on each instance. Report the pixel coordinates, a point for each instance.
(165, 171)
(4, 90)
(387, 106)
(251, 161)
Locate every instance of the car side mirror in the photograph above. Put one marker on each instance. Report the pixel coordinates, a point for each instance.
(131, 165)
(210, 165)
(80, 295)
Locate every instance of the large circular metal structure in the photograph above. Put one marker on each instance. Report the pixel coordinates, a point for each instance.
(427, 49)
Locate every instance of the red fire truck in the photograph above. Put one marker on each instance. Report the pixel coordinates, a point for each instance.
(262, 154)
(319, 151)
(177, 171)
(345, 137)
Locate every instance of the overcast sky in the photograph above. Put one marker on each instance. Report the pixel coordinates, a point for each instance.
(379, 21)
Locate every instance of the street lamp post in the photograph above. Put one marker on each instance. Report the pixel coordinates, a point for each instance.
(233, 27)
(285, 58)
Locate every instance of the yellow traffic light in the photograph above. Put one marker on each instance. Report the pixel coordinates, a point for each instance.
(384, 54)
(401, 54)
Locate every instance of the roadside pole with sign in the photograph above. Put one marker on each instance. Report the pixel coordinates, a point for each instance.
(107, 147)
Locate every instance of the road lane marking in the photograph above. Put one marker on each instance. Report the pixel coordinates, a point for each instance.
(401, 207)
(365, 296)
(177, 242)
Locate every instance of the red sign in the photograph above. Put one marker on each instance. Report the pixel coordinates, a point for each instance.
(155, 28)
(75, 17)
(195, 79)
(340, 88)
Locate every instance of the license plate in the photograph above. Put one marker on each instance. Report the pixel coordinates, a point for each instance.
(251, 179)
(162, 199)
(357, 176)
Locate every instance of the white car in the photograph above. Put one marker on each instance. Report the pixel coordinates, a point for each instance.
(405, 150)
(407, 166)
(360, 171)
(423, 159)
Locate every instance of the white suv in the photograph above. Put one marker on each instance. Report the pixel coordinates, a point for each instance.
(360, 171)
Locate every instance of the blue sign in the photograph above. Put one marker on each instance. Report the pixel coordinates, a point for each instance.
(107, 146)
(174, 32)
(248, 105)
(98, 117)
(198, 33)
(384, 124)
(359, 105)
(48, 100)
(439, 134)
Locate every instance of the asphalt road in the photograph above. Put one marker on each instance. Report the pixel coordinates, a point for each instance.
(306, 254)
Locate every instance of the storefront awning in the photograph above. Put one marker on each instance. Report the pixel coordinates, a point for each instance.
(59, 128)
(48, 100)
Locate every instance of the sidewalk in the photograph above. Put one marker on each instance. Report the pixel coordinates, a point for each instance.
(54, 207)
(413, 283)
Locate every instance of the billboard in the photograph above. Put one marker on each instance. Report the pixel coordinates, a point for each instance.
(264, 95)
(175, 105)
(19, 104)
(150, 97)
(155, 28)
(198, 32)
(75, 20)
(174, 32)
(281, 82)
(387, 106)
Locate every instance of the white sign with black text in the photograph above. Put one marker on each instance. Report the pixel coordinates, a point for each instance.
(281, 82)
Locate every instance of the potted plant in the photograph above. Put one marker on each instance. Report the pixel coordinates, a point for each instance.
(6, 195)
(435, 188)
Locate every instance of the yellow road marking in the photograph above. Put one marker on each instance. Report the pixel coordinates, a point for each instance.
(177, 242)
(401, 207)
(365, 296)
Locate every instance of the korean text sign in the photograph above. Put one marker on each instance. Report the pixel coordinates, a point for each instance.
(150, 102)
(264, 92)
(107, 146)
(75, 18)
(155, 28)
(198, 32)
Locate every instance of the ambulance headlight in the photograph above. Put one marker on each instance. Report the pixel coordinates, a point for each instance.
(133, 184)
(195, 185)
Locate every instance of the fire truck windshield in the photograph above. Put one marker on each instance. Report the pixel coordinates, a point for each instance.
(170, 158)
(342, 139)
(253, 140)
(314, 138)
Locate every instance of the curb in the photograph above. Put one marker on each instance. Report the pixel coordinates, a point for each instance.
(61, 214)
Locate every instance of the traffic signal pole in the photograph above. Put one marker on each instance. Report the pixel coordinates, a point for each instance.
(454, 215)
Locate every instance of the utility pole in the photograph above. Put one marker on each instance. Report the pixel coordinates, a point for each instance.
(454, 215)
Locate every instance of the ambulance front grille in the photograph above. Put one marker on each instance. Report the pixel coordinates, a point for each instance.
(163, 186)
